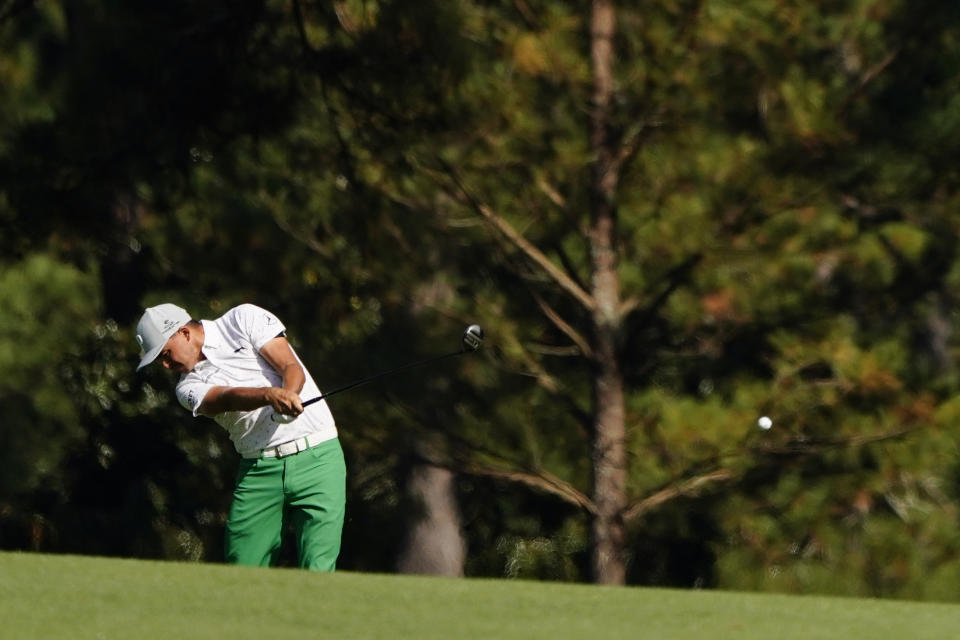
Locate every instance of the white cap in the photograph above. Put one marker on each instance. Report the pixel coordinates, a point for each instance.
(156, 326)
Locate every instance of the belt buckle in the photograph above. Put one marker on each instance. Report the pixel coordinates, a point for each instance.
(287, 449)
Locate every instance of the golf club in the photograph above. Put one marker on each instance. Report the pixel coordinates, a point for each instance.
(470, 341)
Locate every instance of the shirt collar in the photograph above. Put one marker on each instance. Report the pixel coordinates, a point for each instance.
(212, 341)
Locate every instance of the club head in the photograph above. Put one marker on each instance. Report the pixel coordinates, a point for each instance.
(472, 338)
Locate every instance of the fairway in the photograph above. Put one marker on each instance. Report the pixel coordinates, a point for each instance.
(44, 596)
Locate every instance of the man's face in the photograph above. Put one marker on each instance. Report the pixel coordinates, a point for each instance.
(181, 353)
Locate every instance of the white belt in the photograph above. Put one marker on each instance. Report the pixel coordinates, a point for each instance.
(285, 449)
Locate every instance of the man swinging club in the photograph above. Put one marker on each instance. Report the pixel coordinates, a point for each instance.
(240, 370)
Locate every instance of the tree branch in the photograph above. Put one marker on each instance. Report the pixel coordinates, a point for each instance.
(528, 16)
(876, 69)
(629, 148)
(561, 203)
(537, 479)
(867, 77)
(808, 447)
(457, 461)
(538, 373)
(692, 483)
(301, 27)
(561, 324)
(564, 281)
(552, 194)
(676, 276)
(683, 488)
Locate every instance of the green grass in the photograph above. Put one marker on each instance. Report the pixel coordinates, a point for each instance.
(43, 596)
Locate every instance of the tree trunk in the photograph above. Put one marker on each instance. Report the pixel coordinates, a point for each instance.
(609, 447)
(435, 545)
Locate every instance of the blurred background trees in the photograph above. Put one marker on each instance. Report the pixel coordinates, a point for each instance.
(782, 224)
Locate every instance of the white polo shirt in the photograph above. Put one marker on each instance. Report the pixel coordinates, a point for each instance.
(232, 346)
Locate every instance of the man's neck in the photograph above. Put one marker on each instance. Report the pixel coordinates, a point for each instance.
(201, 338)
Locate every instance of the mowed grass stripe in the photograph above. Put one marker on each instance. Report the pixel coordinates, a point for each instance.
(43, 596)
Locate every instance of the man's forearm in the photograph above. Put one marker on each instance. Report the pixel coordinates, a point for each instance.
(222, 399)
(284, 399)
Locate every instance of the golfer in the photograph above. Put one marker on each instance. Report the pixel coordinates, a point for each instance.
(240, 370)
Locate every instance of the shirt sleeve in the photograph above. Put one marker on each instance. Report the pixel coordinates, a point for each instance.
(257, 324)
(190, 394)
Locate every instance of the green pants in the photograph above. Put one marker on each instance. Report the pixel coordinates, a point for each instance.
(308, 488)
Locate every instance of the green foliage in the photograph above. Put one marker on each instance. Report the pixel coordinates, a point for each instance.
(49, 309)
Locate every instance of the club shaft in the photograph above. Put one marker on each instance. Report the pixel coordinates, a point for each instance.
(377, 376)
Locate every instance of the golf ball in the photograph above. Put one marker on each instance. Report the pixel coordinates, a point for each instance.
(764, 422)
